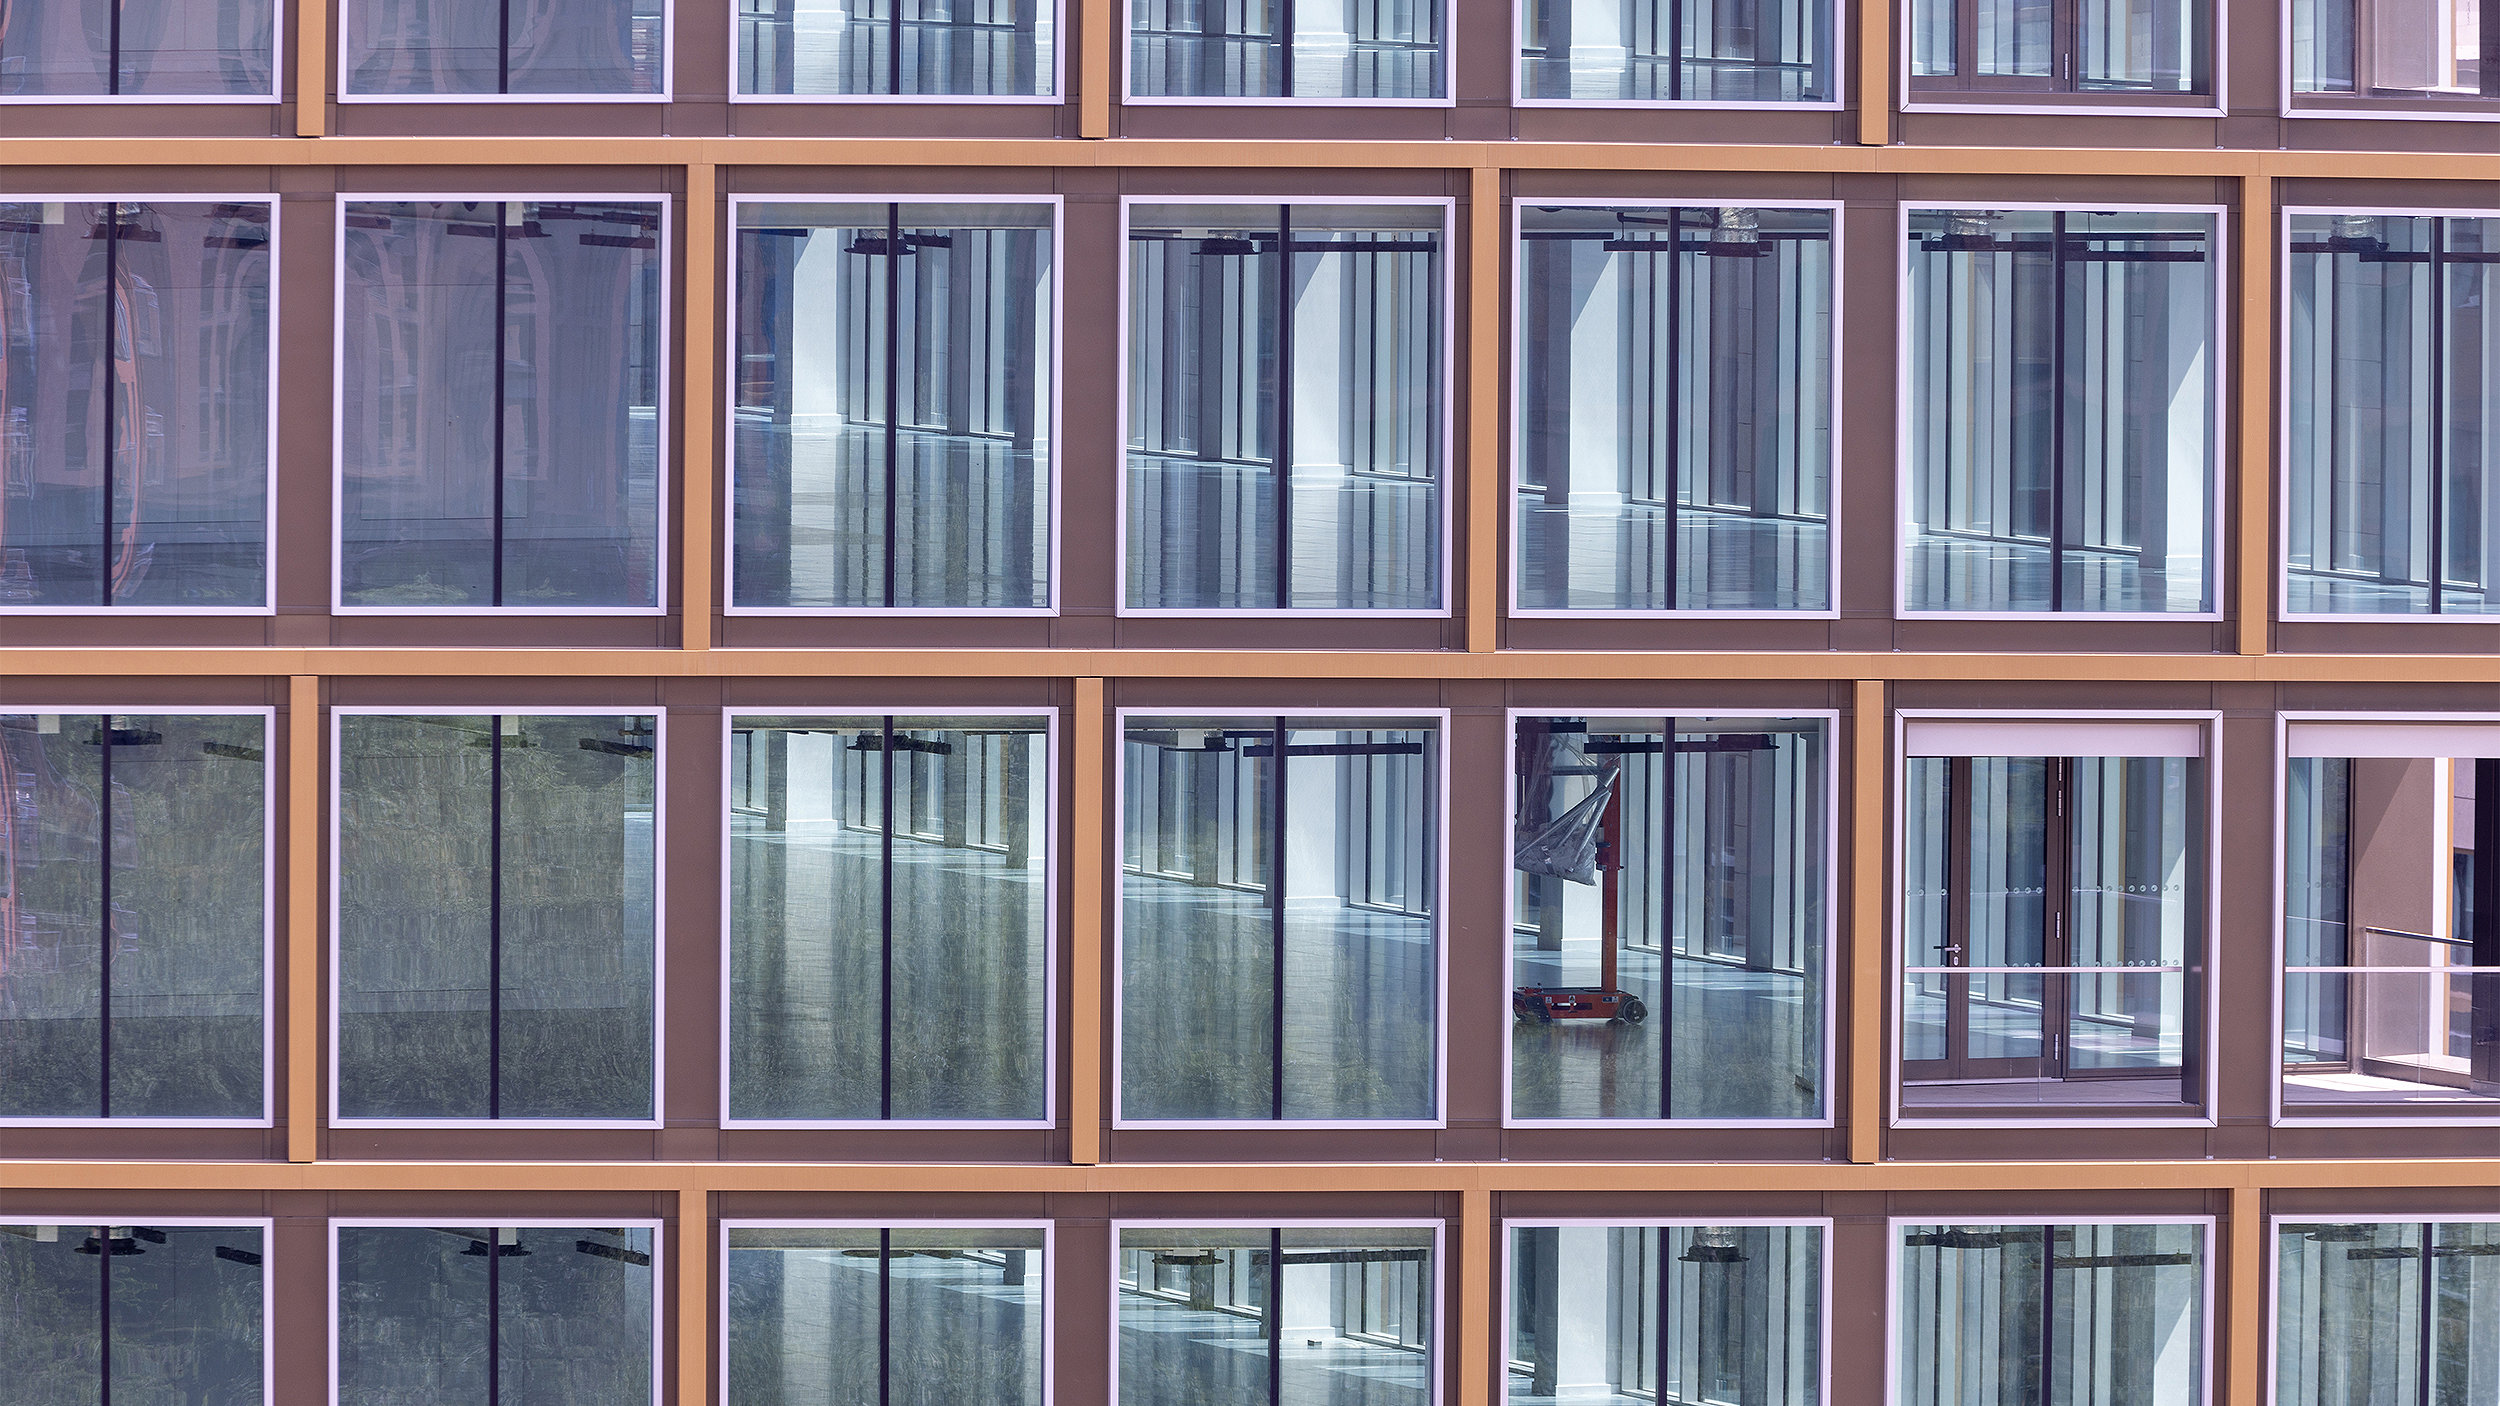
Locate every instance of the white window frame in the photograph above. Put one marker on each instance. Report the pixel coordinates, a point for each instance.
(2275, 1225)
(2219, 362)
(662, 1272)
(1115, 899)
(659, 922)
(2023, 727)
(268, 921)
(1054, 462)
(1830, 933)
(1055, 95)
(665, 370)
(1050, 848)
(1835, 38)
(1518, 363)
(2331, 105)
(266, 1225)
(668, 75)
(1444, 477)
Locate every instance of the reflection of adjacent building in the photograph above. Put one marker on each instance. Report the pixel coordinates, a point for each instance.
(452, 48)
(138, 48)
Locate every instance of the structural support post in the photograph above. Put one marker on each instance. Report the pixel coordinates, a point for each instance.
(1875, 21)
(1484, 407)
(312, 67)
(303, 918)
(694, 1296)
(700, 433)
(1868, 745)
(1087, 817)
(2253, 465)
(1475, 1296)
(1098, 37)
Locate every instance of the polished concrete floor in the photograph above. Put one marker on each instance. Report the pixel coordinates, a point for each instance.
(962, 1330)
(1202, 535)
(1747, 1044)
(1174, 1355)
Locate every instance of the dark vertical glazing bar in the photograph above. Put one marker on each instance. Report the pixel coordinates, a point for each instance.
(503, 67)
(1276, 1303)
(112, 301)
(494, 1315)
(2057, 412)
(885, 918)
(1276, 929)
(503, 218)
(104, 1314)
(885, 1296)
(893, 380)
(1675, 406)
(104, 920)
(494, 923)
(1666, 940)
(2438, 485)
(1284, 412)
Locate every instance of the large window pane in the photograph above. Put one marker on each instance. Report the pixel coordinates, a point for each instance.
(1279, 944)
(496, 928)
(894, 401)
(1619, 1315)
(907, 48)
(1668, 918)
(1675, 408)
(163, 1312)
(833, 1315)
(131, 972)
(888, 970)
(501, 377)
(2051, 1315)
(134, 390)
(2148, 47)
(2350, 1300)
(1702, 51)
(1208, 1318)
(138, 48)
(2424, 53)
(1325, 360)
(1322, 50)
(542, 48)
(2061, 421)
(526, 1315)
(2392, 376)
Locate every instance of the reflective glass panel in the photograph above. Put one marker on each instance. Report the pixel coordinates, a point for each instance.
(1619, 1315)
(1208, 1318)
(138, 48)
(2061, 421)
(134, 404)
(496, 927)
(1701, 51)
(2427, 51)
(170, 1313)
(1349, 326)
(909, 48)
(499, 403)
(894, 401)
(1668, 918)
(2392, 374)
(1322, 50)
(131, 973)
(500, 1315)
(2151, 47)
(1279, 945)
(2076, 1315)
(888, 970)
(1675, 409)
(831, 1316)
(541, 48)
(2350, 1300)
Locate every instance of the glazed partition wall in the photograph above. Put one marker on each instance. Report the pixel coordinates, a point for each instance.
(1669, 918)
(1675, 407)
(495, 929)
(504, 48)
(932, 49)
(1677, 51)
(1621, 1314)
(500, 389)
(1286, 407)
(2383, 1309)
(833, 1314)
(171, 1310)
(134, 929)
(889, 917)
(135, 384)
(897, 382)
(1280, 920)
(1313, 50)
(2392, 371)
(2060, 376)
(156, 49)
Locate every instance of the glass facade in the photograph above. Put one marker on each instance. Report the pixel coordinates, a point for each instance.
(496, 932)
(897, 378)
(2381, 1310)
(2096, 1314)
(135, 396)
(1617, 1315)
(2147, 47)
(1313, 50)
(504, 48)
(169, 1311)
(1675, 408)
(1244, 1315)
(65, 50)
(501, 369)
(2421, 53)
(830, 1315)
(964, 49)
(133, 918)
(547, 1315)
(888, 918)
(1680, 864)
(1285, 367)
(2060, 424)
(1669, 51)
(1280, 927)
